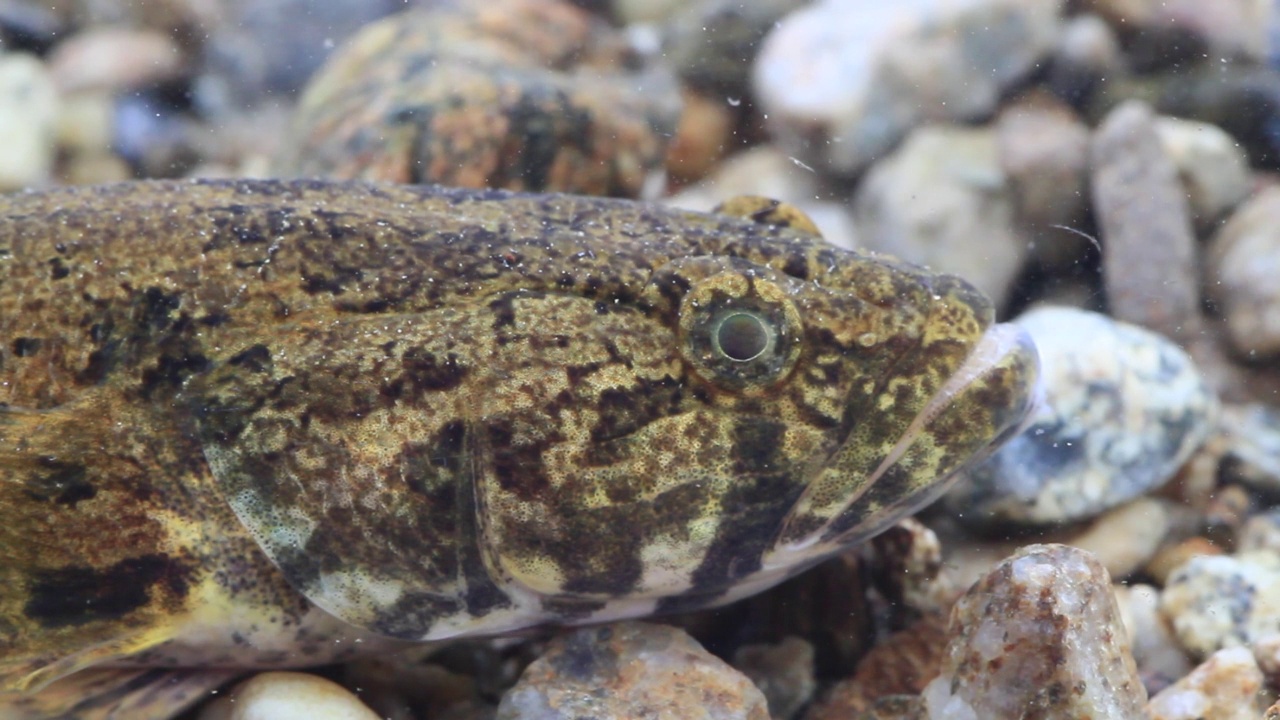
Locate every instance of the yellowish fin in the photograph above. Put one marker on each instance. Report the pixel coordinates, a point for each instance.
(116, 694)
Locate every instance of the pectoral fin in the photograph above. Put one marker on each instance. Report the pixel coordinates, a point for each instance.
(89, 572)
(116, 694)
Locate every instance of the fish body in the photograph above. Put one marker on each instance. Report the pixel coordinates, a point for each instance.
(278, 423)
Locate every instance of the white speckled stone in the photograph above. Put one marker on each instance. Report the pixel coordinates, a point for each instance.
(288, 696)
(1124, 409)
(842, 81)
(1038, 636)
(943, 200)
(1224, 687)
(1223, 601)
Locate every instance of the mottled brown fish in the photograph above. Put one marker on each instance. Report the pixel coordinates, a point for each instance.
(261, 423)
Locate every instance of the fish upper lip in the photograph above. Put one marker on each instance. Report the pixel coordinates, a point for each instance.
(996, 343)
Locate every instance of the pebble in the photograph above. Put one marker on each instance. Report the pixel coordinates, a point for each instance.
(532, 95)
(1244, 102)
(1211, 165)
(1243, 261)
(784, 672)
(1043, 151)
(28, 117)
(1266, 651)
(1251, 433)
(903, 664)
(702, 137)
(906, 566)
(1261, 532)
(1087, 55)
(630, 670)
(766, 171)
(1224, 687)
(1222, 601)
(28, 26)
(288, 696)
(1148, 244)
(1126, 538)
(840, 94)
(255, 50)
(1169, 29)
(1039, 636)
(942, 200)
(1160, 659)
(1173, 556)
(712, 43)
(1123, 409)
(116, 59)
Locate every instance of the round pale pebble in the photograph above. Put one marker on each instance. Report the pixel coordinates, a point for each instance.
(1212, 166)
(1266, 651)
(1243, 261)
(1260, 532)
(28, 122)
(1172, 557)
(1038, 636)
(1224, 687)
(289, 696)
(1223, 601)
(1156, 651)
(1123, 409)
(1127, 537)
(943, 200)
(116, 59)
(1043, 151)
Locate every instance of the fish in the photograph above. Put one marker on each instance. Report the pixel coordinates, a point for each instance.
(283, 423)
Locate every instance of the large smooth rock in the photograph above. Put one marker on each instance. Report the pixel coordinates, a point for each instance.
(1123, 409)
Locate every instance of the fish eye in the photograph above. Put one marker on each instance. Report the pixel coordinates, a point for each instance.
(741, 331)
(742, 336)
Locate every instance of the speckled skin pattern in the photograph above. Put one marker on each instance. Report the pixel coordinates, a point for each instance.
(530, 95)
(264, 422)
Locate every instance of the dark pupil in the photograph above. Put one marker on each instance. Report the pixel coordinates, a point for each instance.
(742, 337)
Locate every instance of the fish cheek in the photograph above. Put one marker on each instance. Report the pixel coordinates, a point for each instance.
(686, 503)
(337, 449)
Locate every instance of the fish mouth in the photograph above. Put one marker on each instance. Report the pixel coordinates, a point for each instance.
(988, 399)
(1003, 345)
